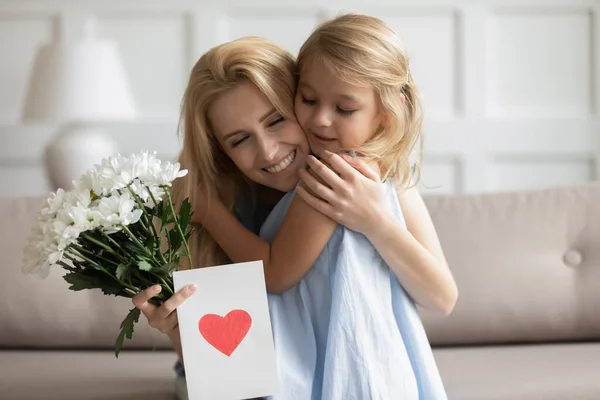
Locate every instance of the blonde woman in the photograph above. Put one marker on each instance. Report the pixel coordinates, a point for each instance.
(239, 129)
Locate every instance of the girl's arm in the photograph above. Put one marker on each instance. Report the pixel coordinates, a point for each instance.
(413, 252)
(301, 238)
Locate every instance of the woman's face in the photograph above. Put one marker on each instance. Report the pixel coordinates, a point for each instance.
(267, 148)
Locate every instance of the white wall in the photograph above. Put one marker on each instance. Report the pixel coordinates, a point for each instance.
(512, 88)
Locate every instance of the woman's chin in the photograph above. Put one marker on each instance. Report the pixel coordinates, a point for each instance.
(283, 181)
(284, 186)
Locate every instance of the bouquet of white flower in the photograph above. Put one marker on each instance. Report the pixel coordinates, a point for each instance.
(107, 231)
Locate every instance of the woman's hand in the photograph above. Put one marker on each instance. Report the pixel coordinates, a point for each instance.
(348, 191)
(164, 317)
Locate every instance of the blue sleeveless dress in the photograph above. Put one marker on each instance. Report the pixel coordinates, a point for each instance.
(348, 330)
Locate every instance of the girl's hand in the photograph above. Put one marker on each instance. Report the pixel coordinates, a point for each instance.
(349, 191)
(163, 318)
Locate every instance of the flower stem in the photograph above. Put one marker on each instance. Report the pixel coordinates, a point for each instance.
(165, 284)
(141, 246)
(94, 263)
(103, 245)
(143, 208)
(81, 249)
(167, 236)
(152, 196)
(114, 242)
(185, 243)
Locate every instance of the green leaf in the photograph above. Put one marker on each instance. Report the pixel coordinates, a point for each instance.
(115, 290)
(189, 234)
(152, 211)
(144, 265)
(181, 252)
(185, 214)
(84, 279)
(150, 241)
(79, 282)
(175, 240)
(90, 278)
(126, 329)
(169, 268)
(133, 248)
(123, 272)
(162, 212)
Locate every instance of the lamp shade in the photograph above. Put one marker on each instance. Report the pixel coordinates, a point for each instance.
(83, 81)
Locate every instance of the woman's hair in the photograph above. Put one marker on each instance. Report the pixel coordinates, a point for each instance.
(364, 51)
(210, 170)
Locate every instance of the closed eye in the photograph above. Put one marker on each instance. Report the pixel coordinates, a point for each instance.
(308, 102)
(275, 122)
(239, 141)
(344, 111)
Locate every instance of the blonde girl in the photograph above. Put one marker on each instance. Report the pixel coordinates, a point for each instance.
(345, 322)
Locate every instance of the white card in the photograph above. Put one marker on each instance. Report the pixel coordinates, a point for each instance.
(226, 335)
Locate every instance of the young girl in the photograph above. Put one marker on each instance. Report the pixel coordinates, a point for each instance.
(348, 327)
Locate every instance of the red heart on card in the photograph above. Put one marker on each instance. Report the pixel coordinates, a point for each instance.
(225, 333)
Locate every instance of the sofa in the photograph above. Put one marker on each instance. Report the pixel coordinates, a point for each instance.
(526, 325)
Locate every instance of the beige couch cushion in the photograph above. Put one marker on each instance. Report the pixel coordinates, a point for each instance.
(44, 312)
(527, 265)
(87, 375)
(536, 372)
(499, 247)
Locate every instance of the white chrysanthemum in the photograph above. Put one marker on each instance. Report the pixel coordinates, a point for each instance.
(53, 204)
(147, 193)
(79, 198)
(69, 223)
(157, 192)
(118, 209)
(144, 164)
(117, 172)
(113, 174)
(164, 175)
(34, 258)
(41, 252)
(140, 190)
(90, 181)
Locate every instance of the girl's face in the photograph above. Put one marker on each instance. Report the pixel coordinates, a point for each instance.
(335, 114)
(267, 148)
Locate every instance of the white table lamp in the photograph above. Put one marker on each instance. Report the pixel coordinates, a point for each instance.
(78, 85)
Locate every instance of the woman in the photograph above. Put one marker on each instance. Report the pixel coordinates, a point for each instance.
(263, 77)
(240, 138)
